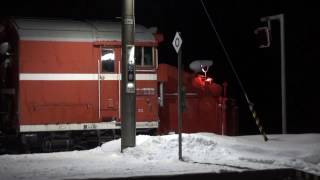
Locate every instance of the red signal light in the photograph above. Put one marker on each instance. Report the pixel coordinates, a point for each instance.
(201, 81)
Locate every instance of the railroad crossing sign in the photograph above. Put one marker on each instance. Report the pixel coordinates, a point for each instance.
(177, 42)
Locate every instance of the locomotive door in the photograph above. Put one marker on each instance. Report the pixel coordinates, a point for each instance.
(109, 81)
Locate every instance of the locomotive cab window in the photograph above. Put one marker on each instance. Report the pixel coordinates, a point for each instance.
(147, 58)
(107, 60)
(144, 57)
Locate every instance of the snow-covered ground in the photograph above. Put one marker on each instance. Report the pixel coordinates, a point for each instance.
(154, 155)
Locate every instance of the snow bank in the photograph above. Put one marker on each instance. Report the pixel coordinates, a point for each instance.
(203, 152)
(291, 151)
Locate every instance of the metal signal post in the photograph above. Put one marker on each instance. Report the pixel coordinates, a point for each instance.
(128, 96)
(179, 104)
(280, 18)
(177, 42)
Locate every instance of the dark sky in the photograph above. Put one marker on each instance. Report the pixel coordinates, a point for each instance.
(258, 69)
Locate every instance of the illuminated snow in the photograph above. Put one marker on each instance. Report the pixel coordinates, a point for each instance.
(155, 155)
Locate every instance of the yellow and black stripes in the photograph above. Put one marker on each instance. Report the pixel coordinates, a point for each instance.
(258, 122)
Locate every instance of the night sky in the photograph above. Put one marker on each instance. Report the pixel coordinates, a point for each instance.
(258, 69)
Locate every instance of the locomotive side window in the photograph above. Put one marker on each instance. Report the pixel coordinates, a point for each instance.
(144, 56)
(107, 60)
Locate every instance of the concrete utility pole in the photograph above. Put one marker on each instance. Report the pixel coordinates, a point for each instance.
(280, 18)
(128, 90)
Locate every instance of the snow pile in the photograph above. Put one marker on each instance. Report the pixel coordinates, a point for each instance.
(248, 152)
(154, 155)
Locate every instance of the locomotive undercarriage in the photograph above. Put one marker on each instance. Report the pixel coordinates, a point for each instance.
(45, 142)
(65, 141)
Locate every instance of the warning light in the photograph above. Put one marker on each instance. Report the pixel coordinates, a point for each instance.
(201, 80)
(208, 80)
(130, 87)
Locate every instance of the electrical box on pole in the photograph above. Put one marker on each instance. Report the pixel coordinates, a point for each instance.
(128, 95)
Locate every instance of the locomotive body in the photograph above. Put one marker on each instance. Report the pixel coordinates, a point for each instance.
(61, 79)
(67, 75)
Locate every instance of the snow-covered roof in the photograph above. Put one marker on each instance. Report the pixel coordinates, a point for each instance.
(75, 30)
